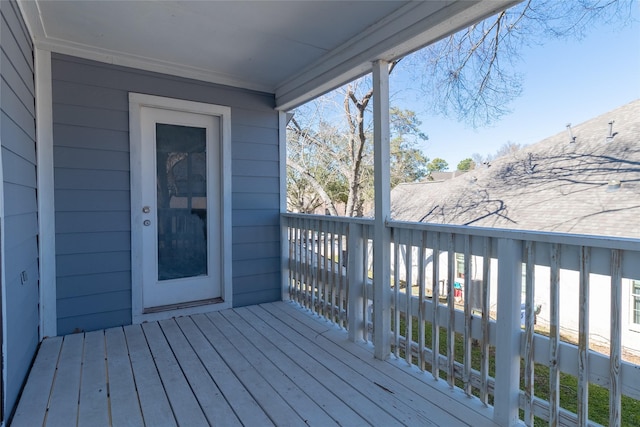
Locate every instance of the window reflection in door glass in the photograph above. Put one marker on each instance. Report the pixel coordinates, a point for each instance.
(182, 201)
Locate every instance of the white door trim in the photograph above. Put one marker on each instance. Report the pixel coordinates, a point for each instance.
(136, 103)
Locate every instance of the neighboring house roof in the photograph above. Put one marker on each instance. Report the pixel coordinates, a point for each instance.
(553, 185)
(442, 176)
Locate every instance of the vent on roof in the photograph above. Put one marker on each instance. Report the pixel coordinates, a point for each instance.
(572, 138)
(613, 185)
(612, 134)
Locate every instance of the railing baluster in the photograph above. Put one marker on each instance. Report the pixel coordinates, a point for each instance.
(302, 257)
(316, 296)
(395, 238)
(421, 298)
(616, 339)
(583, 337)
(486, 307)
(435, 301)
(528, 343)
(365, 280)
(291, 260)
(323, 262)
(345, 228)
(451, 332)
(311, 288)
(408, 321)
(335, 270)
(467, 315)
(309, 264)
(340, 302)
(554, 336)
(294, 260)
(299, 265)
(355, 255)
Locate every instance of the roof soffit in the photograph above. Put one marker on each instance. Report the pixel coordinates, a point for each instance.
(297, 50)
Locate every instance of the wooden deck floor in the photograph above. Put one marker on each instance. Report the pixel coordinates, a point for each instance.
(272, 364)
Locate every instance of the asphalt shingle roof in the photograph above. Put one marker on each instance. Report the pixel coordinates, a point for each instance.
(553, 185)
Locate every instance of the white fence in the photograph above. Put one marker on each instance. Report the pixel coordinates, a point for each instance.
(328, 269)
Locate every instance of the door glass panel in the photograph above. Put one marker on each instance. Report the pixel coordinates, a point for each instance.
(182, 201)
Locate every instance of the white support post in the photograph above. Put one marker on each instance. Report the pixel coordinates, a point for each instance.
(355, 254)
(508, 332)
(382, 234)
(46, 206)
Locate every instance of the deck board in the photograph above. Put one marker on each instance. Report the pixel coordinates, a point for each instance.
(35, 396)
(381, 391)
(438, 393)
(266, 338)
(354, 390)
(261, 360)
(272, 364)
(278, 411)
(239, 398)
(183, 402)
(94, 403)
(151, 394)
(211, 400)
(122, 386)
(63, 404)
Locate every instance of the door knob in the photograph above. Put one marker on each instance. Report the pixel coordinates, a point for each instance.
(146, 209)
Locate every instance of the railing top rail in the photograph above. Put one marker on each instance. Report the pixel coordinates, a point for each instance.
(343, 219)
(609, 242)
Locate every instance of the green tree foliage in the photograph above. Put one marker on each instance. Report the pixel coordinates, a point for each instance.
(408, 163)
(437, 165)
(466, 164)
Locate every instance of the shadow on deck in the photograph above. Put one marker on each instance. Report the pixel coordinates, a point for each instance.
(273, 364)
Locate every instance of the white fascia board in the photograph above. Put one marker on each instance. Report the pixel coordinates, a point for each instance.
(410, 28)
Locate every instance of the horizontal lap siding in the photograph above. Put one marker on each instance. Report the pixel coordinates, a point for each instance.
(20, 232)
(92, 188)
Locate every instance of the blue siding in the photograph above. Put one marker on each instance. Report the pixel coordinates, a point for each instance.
(20, 233)
(91, 162)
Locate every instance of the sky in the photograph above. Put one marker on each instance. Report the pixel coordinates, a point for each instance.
(565, 81)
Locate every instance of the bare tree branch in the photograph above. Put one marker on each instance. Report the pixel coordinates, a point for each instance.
(316, 186)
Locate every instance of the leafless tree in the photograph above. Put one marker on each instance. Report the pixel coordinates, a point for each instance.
(343, 175)
(471, 74)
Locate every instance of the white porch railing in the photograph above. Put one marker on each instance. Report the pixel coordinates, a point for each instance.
(456, 296)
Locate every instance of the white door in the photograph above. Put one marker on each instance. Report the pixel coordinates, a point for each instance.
(179, 222)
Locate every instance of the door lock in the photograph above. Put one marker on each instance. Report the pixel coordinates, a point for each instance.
(147, 222)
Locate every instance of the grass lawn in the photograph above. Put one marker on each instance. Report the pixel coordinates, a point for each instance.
(598, 396)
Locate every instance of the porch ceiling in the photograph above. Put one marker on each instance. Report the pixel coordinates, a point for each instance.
(295, 49)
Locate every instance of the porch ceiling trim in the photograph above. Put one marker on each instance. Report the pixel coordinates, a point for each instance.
(410, 28)
(406, 29)
(41, 40)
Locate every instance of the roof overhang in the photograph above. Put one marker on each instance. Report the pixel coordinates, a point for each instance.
(296, 50)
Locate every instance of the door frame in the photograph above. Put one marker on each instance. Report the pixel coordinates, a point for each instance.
(138, 101)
